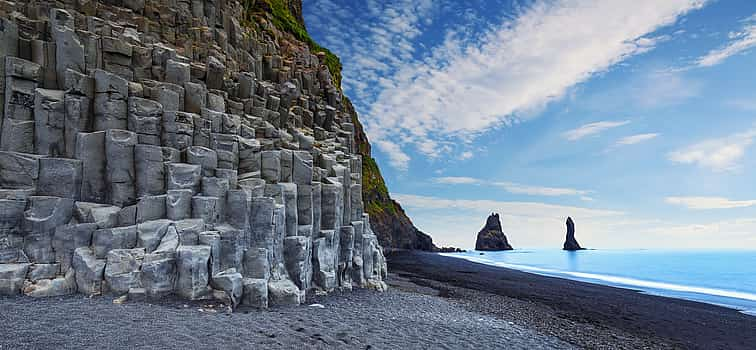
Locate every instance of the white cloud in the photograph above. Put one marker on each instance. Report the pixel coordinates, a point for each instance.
(397, 158)
(709, 202)
(739, 42)
(512, 187)
(457, 180)
(592, 129)
(464, 88)
(465, 155)
(719, 154)
(538, 190)
(633, 139)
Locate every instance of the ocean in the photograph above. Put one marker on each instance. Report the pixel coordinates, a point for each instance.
(725, 278)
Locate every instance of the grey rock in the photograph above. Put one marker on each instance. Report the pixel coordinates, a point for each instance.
(49, 122)
(257, 264)
(323, 257)
(331, 199)
(196, 97)
(12, 278)
(193, 277)
(149, 170)
(89, 271)
(69, 51)
(346, 250)
(180, 176)
(238, 204)
(67, 239)
(189, 230)
(18, 170)
(284, 292)
(230, 282)
(177, 72)
(212, 240)
(119, 149)
(150, 208)
(204, 157)
(271, 166)
(42, 271)
(255, 292)
(158, 274)
(60, 177)
(77, 119)
(209, 209)
(110, 104)
(105, 240)
(151, 233)
(178, 204)
(297, 252)
(90, 149)
(51, 287)
(215, 72)
(123, 270)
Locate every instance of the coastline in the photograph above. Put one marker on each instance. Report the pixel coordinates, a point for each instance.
(584, 314)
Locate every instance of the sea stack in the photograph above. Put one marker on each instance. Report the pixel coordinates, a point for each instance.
(491, 238)
(570, 243)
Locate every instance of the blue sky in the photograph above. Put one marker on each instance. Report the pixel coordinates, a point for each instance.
(637, 118)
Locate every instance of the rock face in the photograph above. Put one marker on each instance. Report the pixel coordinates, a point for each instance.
(491, 238)
(570, 243)
(150, 148)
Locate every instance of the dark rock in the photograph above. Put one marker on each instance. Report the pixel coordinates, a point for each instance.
(570, 242)
(491, 237)
(450, 250)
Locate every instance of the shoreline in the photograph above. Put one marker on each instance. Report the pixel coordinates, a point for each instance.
(706, 295)
(592, 315)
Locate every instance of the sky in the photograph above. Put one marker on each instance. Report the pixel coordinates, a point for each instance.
(637, 118)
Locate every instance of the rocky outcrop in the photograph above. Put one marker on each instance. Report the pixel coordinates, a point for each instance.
(570, 243)
(195, 148)
(491, 238)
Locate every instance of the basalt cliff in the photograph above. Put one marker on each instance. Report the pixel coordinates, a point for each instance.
(201, 148)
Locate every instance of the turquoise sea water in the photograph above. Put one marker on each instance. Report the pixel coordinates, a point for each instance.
(726, 278)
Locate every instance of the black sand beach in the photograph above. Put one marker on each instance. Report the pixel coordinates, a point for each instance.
(358, 320)
(435, 302)
(584, 314)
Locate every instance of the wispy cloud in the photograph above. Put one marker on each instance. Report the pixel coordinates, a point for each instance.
(709, 202)
(633, 139)
(718, 154)
(539, 190)
(512, 187)
(512, 67)
(592, 129)
(739, 42)
(457, 180)
(397, 158)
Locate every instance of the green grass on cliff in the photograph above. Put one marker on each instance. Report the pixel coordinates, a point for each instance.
(285, 21)
(374, 188)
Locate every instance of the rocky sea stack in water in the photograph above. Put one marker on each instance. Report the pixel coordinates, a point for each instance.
(491, 238)
(197, 148)
(570, 242)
